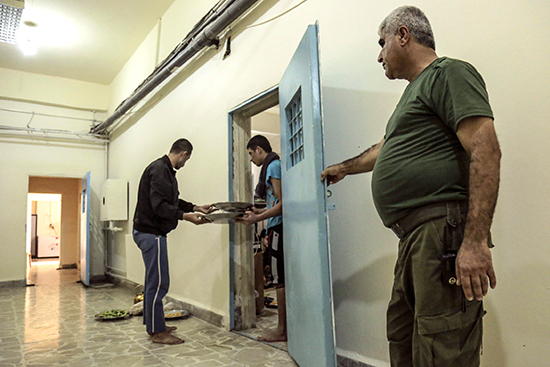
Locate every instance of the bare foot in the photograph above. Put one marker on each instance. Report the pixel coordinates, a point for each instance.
(275, 336)
(166, 338)
(169, 329)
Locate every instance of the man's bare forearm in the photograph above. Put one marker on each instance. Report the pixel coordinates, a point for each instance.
(474, 264)
(483, 187)
(364, 162)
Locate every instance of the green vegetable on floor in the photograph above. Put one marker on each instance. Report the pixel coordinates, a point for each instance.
(113, 313)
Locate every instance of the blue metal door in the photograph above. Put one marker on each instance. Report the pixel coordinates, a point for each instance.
(85, 231)
(307, 257)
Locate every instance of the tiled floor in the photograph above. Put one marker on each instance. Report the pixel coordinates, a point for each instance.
(53, 324)
(266, 322)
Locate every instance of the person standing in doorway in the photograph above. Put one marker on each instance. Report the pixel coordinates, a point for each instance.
(158, 211)
(435, 183)
(269, 188)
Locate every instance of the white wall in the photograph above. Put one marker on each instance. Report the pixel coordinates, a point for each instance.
(20, 85)
(24, 156)
(135, 71)
(49, 217)
(501, 38)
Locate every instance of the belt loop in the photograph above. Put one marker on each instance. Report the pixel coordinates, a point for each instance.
(398, 230)
(454, 217)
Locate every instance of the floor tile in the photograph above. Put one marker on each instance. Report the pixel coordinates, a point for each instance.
(53, 324)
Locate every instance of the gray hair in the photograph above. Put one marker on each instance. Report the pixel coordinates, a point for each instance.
(412, 18)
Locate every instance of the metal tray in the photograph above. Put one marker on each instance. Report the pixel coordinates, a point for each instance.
(221, 216)
(235, 206)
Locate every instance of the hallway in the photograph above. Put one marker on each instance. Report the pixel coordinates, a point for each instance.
(53, 324)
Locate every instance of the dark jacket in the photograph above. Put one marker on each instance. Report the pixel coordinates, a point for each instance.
(158, 206)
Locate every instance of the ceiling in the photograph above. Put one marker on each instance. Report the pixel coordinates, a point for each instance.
(88, 40)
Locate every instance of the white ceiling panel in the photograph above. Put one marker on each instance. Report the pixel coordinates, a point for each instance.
(88, 40)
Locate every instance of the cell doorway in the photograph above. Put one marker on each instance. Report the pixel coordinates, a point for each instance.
(52, 224)
(265, 123)
(44, 228)
(255, 309)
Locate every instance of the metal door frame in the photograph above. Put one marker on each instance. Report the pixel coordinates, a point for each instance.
(85, 229)
(241, 258)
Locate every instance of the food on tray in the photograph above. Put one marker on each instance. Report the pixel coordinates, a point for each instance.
(173, 314)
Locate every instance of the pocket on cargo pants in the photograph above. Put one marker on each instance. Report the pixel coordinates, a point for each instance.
(451, 339)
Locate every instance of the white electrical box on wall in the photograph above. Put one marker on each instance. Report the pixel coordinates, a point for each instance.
(114, 200)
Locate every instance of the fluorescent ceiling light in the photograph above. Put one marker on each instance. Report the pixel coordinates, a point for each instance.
(10, 18)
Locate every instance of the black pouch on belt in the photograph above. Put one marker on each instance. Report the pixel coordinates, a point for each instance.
(452, 239)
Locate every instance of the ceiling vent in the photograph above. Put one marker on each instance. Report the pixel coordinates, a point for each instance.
(10, 18)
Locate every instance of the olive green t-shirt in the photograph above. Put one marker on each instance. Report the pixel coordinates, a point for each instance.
(422, 161)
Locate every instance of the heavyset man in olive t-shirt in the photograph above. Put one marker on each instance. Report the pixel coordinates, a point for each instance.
(435, 184)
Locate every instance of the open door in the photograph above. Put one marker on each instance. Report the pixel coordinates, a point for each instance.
(307, 257)
(85, 227)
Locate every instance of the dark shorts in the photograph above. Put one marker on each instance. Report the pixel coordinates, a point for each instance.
(275, 235)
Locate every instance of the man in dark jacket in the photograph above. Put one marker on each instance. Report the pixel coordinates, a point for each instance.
(157, 212)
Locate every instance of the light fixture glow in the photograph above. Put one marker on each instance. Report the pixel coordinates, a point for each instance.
(46, 29)
(26, 38)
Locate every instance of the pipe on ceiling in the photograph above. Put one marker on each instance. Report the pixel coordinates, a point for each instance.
(29, 132)
(206, 38)
(49, 115)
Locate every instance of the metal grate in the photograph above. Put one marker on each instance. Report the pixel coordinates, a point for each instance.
(10, 18)
(295, 129)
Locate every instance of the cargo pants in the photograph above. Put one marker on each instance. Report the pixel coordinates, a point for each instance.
(430, 324)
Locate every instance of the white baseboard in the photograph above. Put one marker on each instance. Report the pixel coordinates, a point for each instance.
(353, 359)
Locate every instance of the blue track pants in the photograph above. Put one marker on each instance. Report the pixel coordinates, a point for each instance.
(157, 279)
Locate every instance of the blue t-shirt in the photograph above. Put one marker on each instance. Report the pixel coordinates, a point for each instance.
(273, 171)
